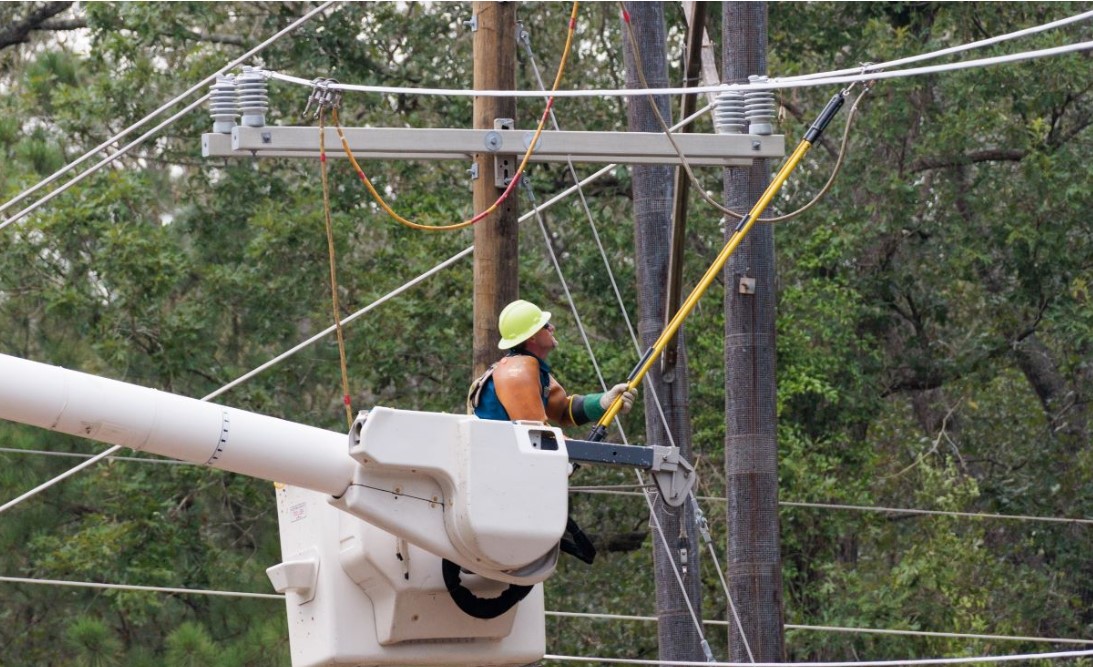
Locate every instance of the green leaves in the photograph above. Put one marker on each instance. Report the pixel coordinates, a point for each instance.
(190, 646)
(934, 328)
(93, 644)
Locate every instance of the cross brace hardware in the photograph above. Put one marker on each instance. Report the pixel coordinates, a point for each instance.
(718, 150)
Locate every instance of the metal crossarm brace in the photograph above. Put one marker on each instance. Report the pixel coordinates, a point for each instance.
(724, 150)
(674, 476)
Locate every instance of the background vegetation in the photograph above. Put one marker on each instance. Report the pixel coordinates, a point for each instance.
(935, 322)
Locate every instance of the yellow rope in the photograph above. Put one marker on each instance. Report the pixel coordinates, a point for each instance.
(519, 172)
(333, 271)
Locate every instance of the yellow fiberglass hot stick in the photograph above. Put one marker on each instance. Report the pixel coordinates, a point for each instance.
(812, 136)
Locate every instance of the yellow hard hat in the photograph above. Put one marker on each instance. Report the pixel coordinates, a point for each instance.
(519, 321)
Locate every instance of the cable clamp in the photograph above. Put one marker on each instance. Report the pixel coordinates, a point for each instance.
(707, 651)
(700, 521)
(862, 69)
(323, 97)
(526, 182)
(865, 69)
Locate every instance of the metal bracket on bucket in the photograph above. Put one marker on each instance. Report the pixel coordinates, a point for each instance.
(674, 476)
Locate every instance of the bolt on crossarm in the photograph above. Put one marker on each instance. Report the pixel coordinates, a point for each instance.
(742, 228)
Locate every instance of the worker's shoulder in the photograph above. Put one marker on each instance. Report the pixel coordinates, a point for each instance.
(517, 364)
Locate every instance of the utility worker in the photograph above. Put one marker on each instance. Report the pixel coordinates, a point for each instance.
(520, 386)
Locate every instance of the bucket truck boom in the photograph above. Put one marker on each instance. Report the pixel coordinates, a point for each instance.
(373, 530)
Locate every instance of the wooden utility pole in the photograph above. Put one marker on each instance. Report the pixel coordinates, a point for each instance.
(751, 445)
(496, 248)
(679, 637)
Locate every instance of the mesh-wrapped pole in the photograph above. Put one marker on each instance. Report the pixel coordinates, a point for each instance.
(751, 448)
(679, 639)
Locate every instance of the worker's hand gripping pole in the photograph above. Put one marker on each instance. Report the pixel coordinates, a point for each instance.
(743, 227)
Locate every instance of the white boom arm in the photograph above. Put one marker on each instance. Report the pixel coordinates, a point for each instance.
(489, 496)
(174, 426)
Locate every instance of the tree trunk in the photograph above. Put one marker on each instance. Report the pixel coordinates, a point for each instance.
(1065, 406)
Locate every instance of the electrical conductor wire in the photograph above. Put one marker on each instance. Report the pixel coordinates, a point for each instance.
(201, 84)
(652, 513)
(558, 269)
(102, 163)
(770, 84)
(869, 67)
(867, 508)
(519, 170)
(1057, 655)
(640, 71)
(656, 399)
(557, 614)
(836, 628)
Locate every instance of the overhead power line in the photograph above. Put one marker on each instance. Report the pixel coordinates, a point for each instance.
(1058, 655)
(967, 515)
(861, 508)
(603, 490)
(770, 84)
(899, 62)
(59, 478)
(465, 252)
(79, 455)
(835, 628)
(556, 614)
(102, 163)
(117, 137)
(149, 589)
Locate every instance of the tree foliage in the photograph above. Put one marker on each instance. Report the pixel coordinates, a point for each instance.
(935, 326)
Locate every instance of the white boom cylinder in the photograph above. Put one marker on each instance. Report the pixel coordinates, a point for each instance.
(181, 428)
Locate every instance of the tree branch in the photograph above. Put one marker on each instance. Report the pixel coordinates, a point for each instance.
(916, 383)
(59, 25)
(987, 155)
(1065, 410)
(217, 38)
(19, 31)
